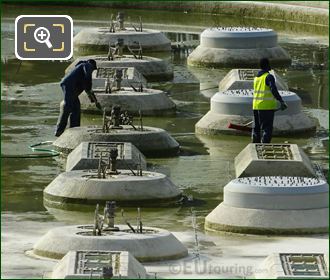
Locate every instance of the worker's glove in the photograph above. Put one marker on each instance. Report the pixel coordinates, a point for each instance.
(283, 106)
(91, 96)
(98, 105)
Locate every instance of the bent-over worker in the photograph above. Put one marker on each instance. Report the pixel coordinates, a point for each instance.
(73, 84)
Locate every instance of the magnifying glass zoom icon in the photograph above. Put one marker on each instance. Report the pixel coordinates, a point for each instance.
(41, 35)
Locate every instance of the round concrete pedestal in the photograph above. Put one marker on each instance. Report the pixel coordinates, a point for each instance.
(235, 106)
(151, 141)
(150, 102)
(238, 46)
(153, 69)
(84, 187)
(97, 39)
(153, 244)
(272, 205)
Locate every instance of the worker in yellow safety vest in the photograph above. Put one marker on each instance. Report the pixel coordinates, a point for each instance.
(265, 100)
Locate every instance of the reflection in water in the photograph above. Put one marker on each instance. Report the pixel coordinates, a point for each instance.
(16, 71)
(309, 63)
(224, 146)
(30, 104)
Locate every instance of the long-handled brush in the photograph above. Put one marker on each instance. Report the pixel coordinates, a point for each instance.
(244, 127)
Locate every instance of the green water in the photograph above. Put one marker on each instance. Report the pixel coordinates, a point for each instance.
(30, 105)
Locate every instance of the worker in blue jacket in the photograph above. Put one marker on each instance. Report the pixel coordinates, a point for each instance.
(73, 84)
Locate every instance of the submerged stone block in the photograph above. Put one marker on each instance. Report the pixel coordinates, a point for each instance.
(237, 79)
(98, 265)
(152, 244)
(238, 46)
(294, 266)
(273, 160)
(272, 205)
(87, 155)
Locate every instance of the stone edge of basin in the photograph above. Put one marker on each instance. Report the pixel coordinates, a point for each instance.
(308, 12)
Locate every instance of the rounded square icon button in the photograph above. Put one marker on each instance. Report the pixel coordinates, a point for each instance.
(43, 37)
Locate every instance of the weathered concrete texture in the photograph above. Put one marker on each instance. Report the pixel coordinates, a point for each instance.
(272, 205)
(154, 244)
(84, 186)
(273, 160)
(98, 39)
(243, 47)
(153, 69)
(236, 37)
(151, 141)
(243, 79)
(131, 77)
(212, 57)
(89, 264)
(87, 154)
(215, 124)
(294, 266)
(280, 222)
(277, 193)
(235, 106)
(150, 102)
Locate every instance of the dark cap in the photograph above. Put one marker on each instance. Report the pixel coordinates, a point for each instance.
(93, 63)
(264, 64)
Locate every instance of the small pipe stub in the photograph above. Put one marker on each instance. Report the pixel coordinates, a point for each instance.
(105, 221)
(118, 78)
(113, 161)
(115, 117)
(121, 19)
(119, 46)
(109, 213)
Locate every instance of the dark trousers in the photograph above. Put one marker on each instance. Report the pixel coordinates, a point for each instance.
(263, 126)
(69, 107)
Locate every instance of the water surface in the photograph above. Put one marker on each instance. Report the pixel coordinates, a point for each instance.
(30, 104)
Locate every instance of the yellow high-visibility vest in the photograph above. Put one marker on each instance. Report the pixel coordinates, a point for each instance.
(263, 99)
